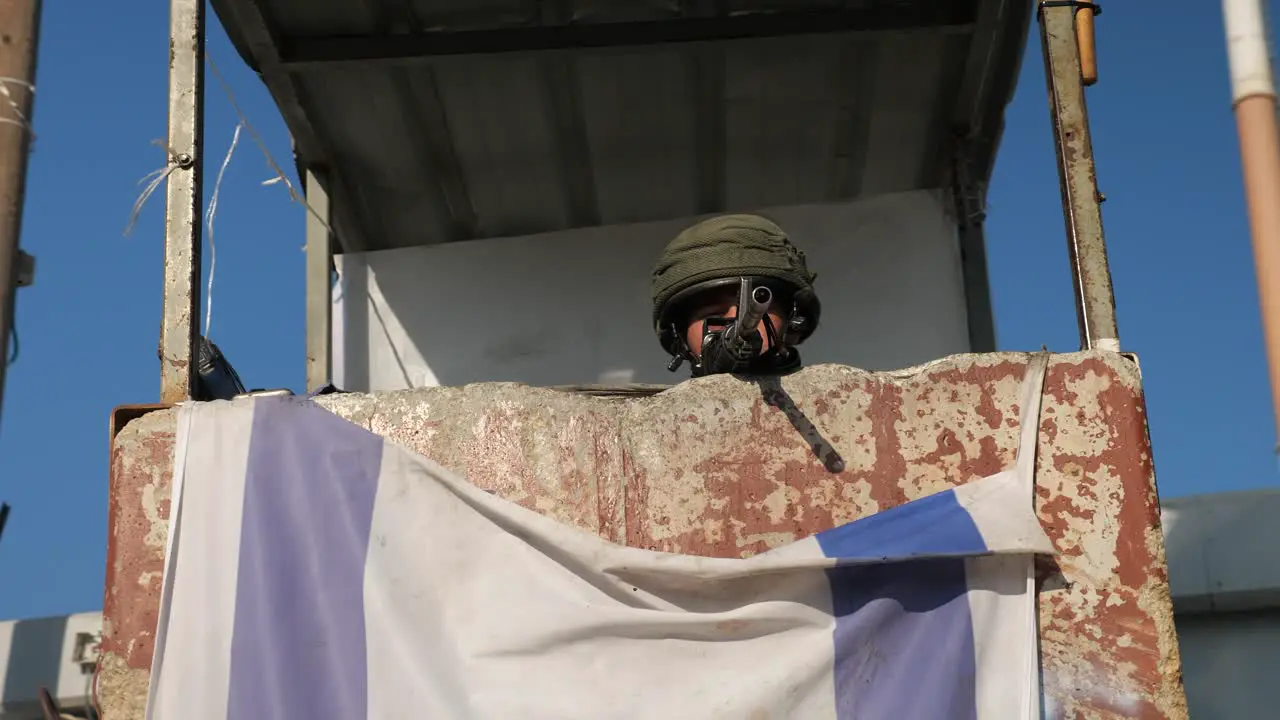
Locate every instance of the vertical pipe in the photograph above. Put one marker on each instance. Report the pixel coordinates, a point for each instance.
(969, 200)
(1254, 98)
(178, 331)
(1086, 243)
(20, 22)
(319, 286)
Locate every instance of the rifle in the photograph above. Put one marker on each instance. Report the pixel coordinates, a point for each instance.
(733, 349)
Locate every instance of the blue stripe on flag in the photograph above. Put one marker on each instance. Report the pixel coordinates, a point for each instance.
(298, 646)
(903, 638)
(933, 525)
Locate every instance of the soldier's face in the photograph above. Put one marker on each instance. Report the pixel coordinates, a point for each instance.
(724, 305)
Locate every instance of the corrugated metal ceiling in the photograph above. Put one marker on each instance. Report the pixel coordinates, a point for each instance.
(443, 120)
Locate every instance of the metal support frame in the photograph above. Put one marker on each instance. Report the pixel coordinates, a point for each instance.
(319, 286)
(404, 47)
(978, 124)
(1081, 201)
(182, 237)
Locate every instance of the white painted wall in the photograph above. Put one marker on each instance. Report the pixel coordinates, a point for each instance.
(573, 307)
(40, 652)
(1229, 663)
(1223, 551)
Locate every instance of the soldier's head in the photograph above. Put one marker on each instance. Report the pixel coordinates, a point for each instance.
(698, 288)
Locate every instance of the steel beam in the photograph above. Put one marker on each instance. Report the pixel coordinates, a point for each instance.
(178, 330)
(398, 48)
(319, 286)
(1081, 201)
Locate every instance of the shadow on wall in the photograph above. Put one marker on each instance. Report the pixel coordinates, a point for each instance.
(544, 310)
(34, 661)
(1224, 575)
(574, 307)
(1221, 551)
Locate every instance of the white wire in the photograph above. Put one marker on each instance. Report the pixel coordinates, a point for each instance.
(209, 215)
(21, 120)
(275, 167)
(156, 178)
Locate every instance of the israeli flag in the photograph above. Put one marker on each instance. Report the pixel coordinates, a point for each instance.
(316, 570)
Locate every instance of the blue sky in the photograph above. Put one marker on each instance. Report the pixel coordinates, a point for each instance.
(1167, 160)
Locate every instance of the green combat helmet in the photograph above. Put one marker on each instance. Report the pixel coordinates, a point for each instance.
(749, 252)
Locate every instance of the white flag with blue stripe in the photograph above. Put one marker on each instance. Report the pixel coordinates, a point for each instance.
(316, 570)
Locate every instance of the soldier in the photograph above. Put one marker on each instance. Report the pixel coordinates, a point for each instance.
(708, 273)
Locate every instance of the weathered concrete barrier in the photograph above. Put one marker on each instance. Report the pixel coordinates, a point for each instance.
(727, 467)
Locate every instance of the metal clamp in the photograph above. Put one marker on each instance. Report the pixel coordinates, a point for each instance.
(1077, 4)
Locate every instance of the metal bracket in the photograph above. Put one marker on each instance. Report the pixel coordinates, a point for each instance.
(87, 649)
(969, 195)
(26, 269)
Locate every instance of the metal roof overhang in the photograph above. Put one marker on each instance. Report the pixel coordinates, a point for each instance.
(447, 120)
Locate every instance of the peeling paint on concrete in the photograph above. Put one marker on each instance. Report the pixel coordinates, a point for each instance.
(122, 689)
(728, 467)
(137, 528)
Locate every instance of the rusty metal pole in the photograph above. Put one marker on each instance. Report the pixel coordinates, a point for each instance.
(178, 330)
(1081, 202)
(1253, 95)
(20, 25)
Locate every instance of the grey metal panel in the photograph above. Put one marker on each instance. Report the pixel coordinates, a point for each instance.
(466, 14)
(503, 141)
(369, 140)
(641, 125)
(322, 17)
(463, 146)
(780, 107)
(906, 83)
